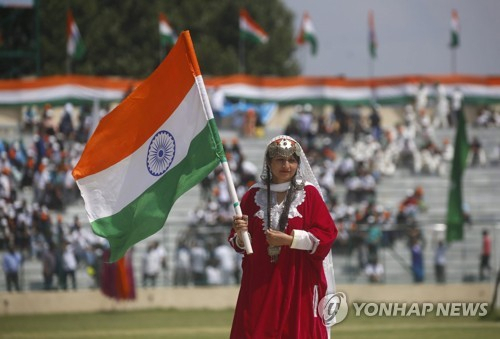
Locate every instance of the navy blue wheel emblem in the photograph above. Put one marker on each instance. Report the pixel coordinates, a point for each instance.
(161, 153)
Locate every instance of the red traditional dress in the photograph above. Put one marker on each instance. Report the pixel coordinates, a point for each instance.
(279, 300)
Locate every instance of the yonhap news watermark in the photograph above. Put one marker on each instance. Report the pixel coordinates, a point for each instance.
(334, 309)
(449, 309)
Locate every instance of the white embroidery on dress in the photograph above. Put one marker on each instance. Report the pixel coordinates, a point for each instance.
(276, 209)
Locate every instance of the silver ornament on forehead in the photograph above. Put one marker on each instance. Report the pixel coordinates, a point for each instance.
(273, 149)
(283, 147)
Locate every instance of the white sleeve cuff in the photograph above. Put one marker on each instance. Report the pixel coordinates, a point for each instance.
(235, 238)
(303, 240)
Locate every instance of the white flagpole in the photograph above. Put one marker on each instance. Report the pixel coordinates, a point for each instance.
(236, 204)
(225, 166)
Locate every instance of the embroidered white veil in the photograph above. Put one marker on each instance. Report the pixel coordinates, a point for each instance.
(304, 172)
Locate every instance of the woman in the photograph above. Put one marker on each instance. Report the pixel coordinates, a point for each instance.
(291, 233)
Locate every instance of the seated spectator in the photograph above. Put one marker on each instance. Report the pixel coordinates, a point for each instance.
(353, 186)
(484, 118)
(368, 185)
(408, 155)
(496, 119)
(346, 168)
(411, 205)
(374, 271)
(430, 160)
(384, 164)
(447, 150)
(327, 176)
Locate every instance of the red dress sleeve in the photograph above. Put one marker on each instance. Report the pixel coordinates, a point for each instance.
(319, 222)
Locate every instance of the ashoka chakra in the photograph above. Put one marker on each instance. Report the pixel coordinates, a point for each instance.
(161, 153)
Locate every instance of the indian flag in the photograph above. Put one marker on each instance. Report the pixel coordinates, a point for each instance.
(167, 34)
(455, 217)
(372, 39)
(250, 30)
(152, 148)
(74, 44)
(307, 33)
(455, 30)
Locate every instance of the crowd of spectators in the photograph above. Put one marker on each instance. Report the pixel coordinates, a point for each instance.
(36, 185)
(344, 147)
(203, 255)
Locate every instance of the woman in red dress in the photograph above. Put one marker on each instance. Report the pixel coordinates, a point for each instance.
(291, 233)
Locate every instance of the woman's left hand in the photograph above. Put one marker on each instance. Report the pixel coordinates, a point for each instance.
(278, 238)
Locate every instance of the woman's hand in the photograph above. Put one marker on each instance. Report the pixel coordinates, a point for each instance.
(240, 224)
(278, 238)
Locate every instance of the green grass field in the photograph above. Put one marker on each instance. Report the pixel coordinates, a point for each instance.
(201, 324)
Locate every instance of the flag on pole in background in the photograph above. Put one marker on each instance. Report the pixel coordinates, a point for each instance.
(250, 30)
(152, 148)
(75, 47)
(455, 30)
(372, 39)
(167, 34)
(455, 216)
(307, 33)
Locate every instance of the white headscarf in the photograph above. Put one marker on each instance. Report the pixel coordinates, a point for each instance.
(304, 171)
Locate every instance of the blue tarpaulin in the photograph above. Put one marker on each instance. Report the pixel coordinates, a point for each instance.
(263, 110)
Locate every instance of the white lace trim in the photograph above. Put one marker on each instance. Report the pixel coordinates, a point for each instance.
(276, 209)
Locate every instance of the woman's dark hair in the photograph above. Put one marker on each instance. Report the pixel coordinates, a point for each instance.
(292, 191)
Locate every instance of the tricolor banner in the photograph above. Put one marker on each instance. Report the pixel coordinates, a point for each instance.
(399, 90)
(250, 30)
(152, 148)
(74, 46)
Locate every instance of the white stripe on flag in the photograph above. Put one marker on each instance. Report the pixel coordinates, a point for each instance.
(129, 178)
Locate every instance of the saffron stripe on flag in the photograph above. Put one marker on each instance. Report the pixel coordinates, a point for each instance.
(157, 144)
(113, 139)
(122, 189)
(146, 214)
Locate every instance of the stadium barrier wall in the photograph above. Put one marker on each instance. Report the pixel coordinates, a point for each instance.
(219, 298)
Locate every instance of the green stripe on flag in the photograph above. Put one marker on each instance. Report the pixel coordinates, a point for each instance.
(250, 36)
(147, 214)
(455, 39)
(214, 134)
(312, 40)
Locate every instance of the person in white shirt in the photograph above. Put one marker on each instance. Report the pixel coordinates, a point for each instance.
(182, 275)
(442, 108)
(153, 262)
(199, 258)
(69, 265)
(226, 258)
